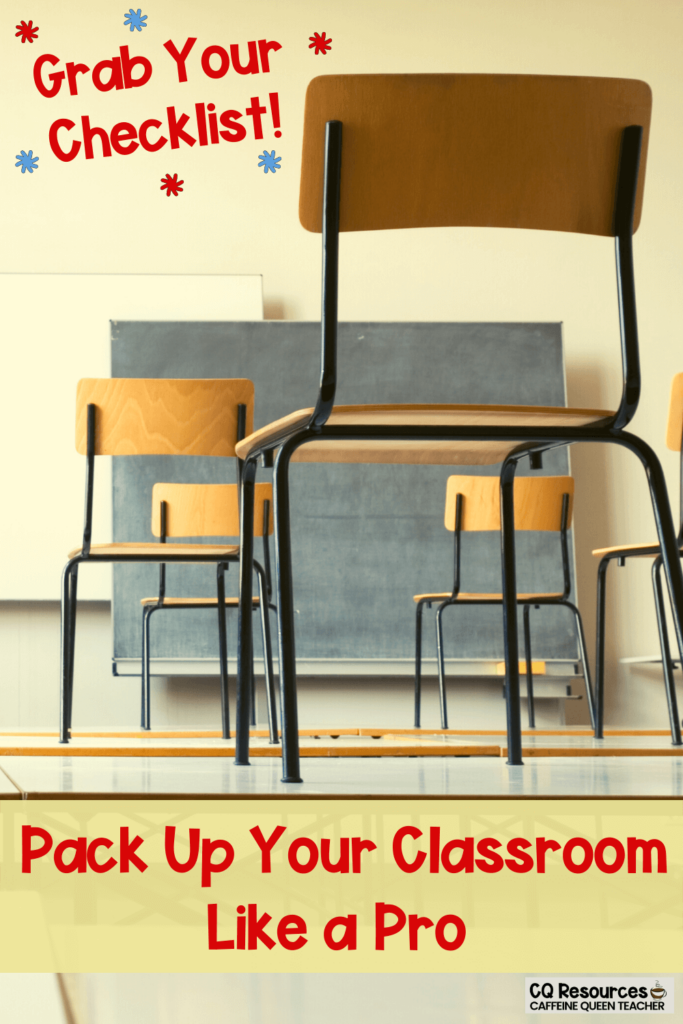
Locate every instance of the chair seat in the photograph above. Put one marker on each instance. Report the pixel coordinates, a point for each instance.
(644, 551)
(160, 552)
(428, 452)
(199, 602)
(486, 597)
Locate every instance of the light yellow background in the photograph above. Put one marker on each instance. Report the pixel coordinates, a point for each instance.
(157, 921)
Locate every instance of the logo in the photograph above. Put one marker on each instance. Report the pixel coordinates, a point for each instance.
(599, 994)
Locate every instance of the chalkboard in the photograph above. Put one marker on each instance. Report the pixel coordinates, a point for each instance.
(365, 538)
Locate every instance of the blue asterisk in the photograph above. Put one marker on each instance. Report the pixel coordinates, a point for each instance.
(27, 162)
(136, 19)
(269, 162)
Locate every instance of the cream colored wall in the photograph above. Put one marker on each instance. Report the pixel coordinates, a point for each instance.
(109, 216)
(29, 695)
(69, 322)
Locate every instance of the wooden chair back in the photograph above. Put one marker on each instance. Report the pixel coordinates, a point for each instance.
(674, 427)
(163, 417)
(516, 151)
(538, 502)
(206, 510)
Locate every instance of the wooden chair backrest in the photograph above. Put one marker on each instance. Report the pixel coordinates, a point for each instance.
(163, 417)
(515, 151)
(674, 427)
(538, 502)
(206, 510)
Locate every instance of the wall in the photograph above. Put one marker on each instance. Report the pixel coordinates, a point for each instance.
(66, 336)
(108, 215)
(29, 697)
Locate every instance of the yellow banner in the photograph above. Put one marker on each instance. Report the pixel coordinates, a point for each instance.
(342, 885)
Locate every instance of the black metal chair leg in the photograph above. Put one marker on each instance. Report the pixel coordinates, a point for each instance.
(244, 638)
(223, 650)
(245, 611)
(440, 663)
(66, 658)
(285, 606)
(271, 701)
(668, 545)
(252, 689)
(583, 655)
(667, 664)
(507, 533)
(145, 714)
(529, 669)
(418, 662)
(72, 642)
(600, 651)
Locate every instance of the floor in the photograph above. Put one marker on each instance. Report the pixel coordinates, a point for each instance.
(655, 770)
(306, 998)
(582, 777)
(32, 999)
(344, 743)
(565, 762)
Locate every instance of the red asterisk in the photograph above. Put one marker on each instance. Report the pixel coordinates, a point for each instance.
(321, 44)
(27, 32)
(171, 185)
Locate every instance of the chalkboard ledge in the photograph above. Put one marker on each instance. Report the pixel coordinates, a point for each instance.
(559, 673)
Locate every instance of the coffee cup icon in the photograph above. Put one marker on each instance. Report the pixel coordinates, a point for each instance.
(657, 992)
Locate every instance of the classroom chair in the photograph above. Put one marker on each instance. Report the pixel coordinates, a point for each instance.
(540, 152)
(126, 416)
(674, 441)
(473, 504)
(210, 510)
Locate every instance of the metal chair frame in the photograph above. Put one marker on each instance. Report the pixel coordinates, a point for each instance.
(530, 441)
(69, 588)
(454, 600)
(264, 603)
(660, 609)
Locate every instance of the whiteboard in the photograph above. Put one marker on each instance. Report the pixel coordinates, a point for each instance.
(57, 330)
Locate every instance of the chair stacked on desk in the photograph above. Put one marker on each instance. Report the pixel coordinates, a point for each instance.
(382, 152)
(123, 417)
